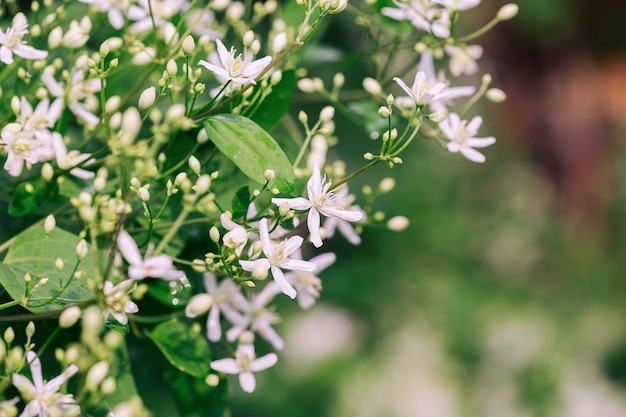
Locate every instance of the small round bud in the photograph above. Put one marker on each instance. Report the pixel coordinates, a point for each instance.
(9, 335)
(386, 185)
(436, 117)
(202, 136)
(486, 80)
(306, 85)
(108, 386)
(269, 174)
(59, 264)
(47, 172)
(81, 250)
(495, 95)
(368, 156)
(372, 86)
(384, 112)
(189, 45)
(212, 380)
(214, 234)
(49, 224)
(398, 223)
(171, 67)
(144, 194)
(30, 329)
(198, 305)
(147, 98)
(339, 80)
(327, 114)
(96, 375)
(303, 117)
(69, 317)
(508, 11)
(194, 164)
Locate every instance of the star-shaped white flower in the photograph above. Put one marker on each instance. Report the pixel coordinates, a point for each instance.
(344, 199)
(244, 364)
(423, 15)
(42, 396)
(12, 42)
(257, 316)
(117, 300)
(21, 146)
(461, 136)
(463, 59)
(160, 266)
(115, 9)
(422, 91)
(225, 296)
(235, 68)
(277, 258)
(308, 284)
(320, 201)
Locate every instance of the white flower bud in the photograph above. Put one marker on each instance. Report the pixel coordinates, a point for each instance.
(214, 234)
(212, 380)
(259, 273)
(386, 185)
(171, 67)
(269, 174)
(303, 117)
(198, 305)
(81, 250)
(47, 172)
(398, 223)
(255, 48)
(508, 11)
(202, 136)
(170, 34)
(59, 264)
(368, 156)
(235, 11)
(283, 209)
(147, 98)
(495, 95)
(9, 335)
(55, 37)
(306, 85)
(96, 375)
(437, 117)
(276, 77)
(175, 113)
(15, 105)
(49, 224)
(144, 194)
(486, 80)
(372, 86)
(189, 45)
(108, 386)
(390, 99)
(112, 104)
(202, 184)
(69, 317)
(30, 329)
(384, 112)
(279, 42)
(131, 124)
(327, 114)
(144, 57)
(248, 38)
(194, 164)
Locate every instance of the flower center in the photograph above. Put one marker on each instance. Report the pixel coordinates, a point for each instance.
(23, 147)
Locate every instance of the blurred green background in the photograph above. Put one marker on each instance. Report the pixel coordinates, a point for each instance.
(504, 297)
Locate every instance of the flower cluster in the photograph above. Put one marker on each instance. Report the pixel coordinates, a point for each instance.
(152, 183)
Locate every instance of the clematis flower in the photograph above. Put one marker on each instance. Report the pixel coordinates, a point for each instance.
(225, 297)
(117, 300)
(21, 147)
(320, 201)
(236, 69)
(244, 364)
(423, 15)
(157, 12)
(344, 199)
(277, 257)
(12, 42)
(423, 92)
(256, 316)
(42, 396)
(458, 4)
(308, 284)
(463, 59)
(115, 10)
(461, 136)
(160, 266)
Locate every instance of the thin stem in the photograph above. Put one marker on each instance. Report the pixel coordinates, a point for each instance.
(480, 31)
(169, 235)
(355, 173)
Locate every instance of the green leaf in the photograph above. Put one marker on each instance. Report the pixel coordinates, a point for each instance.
(29, 195)
(187, 350)
(276, 103)
(35, 253)
(241, 201)
(251, 148)
(194, 398)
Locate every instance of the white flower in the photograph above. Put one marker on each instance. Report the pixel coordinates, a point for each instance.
(277, 257)
(308, 284)
(225, 296)
(423, 92)
(236, 237)
(423, 15)
(320, 201)
(7, 408)
(200, 23)
(160, 266)
(42, 118)
(161, 11)
(461, 136)
(345, 200)
(66, 160)
(80, 95)
(463, 59)
(257, 317)
(78, 33)
(43, 397)
(117, 300)
(236, 69)
(244, 364)
(115, 9)
(21, 147)
(12, 42)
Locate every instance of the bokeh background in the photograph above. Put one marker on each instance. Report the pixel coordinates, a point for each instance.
(505, 296)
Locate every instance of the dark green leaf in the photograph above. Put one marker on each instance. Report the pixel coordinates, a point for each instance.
(194, 398)
(251, 148)
(36, 254)
(29, 195)
(187, 350)
(241, 201)
(276, 103)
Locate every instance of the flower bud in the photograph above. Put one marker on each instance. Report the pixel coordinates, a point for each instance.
(269, 174)
(9, 335)
(81, 250)
(59, 264)
(279, 42)
(495, 95)
(202, 136)
(47, 172)
(189, 45)
(259, 273)
(96, 375)
(194, 164)
(131, 124)
(144, 194)
(30, 329)
(306, 85)
(214, 234)
(147, 98)
(372, 86)
(55, 37)
(69, 317)
(508, 11)
(171, 67)
(384, 112)
(198, 305)
(398, 223)
(386, 185)
(327, 114)
(212, 380)
(108, 386)
(49, 224)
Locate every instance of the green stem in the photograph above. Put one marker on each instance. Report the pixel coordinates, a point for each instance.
(178, 223)
(355, 173)
(10, 304)
(480, 31)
